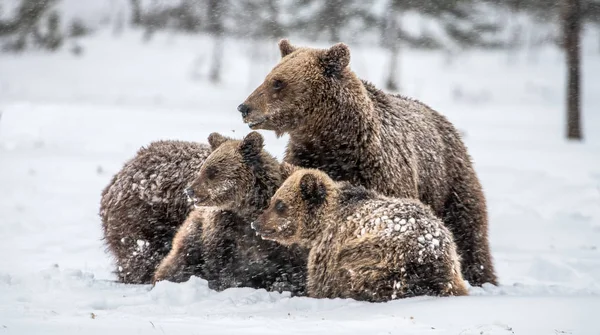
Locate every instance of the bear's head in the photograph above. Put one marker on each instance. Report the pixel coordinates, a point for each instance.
(236, 173)
(295, 211)
(304, 80)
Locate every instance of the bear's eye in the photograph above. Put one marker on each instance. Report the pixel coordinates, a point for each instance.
(280, 207)
(211, 172)
(278, 84)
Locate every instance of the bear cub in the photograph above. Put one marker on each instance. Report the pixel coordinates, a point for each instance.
(232, 188)
(363, 245)
(144, 204)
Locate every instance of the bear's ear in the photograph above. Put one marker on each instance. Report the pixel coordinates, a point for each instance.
(286, 170)
(286, 47)
(252, 145)
(312, 189)
(335, 59)
(215, 140)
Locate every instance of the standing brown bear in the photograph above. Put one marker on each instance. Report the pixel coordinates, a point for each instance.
(144, 204)
(362, 245)
(355, 132)
(232, 188)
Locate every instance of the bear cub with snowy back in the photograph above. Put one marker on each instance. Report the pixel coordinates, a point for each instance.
(144, 204)
(363, 245)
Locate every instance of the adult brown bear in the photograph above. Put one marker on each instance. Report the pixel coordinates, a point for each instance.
(394, 145)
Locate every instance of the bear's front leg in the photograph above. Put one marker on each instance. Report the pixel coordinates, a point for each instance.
(186, 256)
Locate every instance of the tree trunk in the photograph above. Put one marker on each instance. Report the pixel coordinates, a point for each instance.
(334, 32)
(120, 22)
(136, 13)
(333, 19)
(515, 40)
(275, 29)
(391, 83)
(572, 44)
(216, 28)
(217, 57)
(393, 43)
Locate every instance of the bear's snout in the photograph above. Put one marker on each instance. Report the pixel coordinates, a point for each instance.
(190, 193)
(260, 228)
(256, 226)
(195, 198)
(244, 109)
(252, 116)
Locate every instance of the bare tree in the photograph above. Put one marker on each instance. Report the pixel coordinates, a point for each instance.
(53, 38)
(273, 25)
(120, 20)
(136, 12)
(591, 12)
(216, 27)
(571, 19)
(25, 28)
(392, 42)
(333, 18)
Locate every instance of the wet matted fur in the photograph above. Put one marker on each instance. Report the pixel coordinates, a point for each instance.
(363, 245)
(144, 204)
(233, 187)
(354, 132)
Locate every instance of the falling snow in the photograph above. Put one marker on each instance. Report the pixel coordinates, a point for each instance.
(542, 192)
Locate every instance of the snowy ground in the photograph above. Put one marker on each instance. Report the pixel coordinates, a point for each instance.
(69, 123)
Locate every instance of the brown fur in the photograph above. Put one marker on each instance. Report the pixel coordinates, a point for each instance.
(185, 258)
(394, 145)
(237, 179)
(144, 204)
(363, 245)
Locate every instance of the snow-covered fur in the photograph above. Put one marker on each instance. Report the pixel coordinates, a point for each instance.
(233, 186)
(145, 203)
(363, 245)
(394, 145)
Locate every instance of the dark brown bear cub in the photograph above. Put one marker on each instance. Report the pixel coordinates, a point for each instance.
(144, 204)
(232, 188)
(363, 245)
(394, 145)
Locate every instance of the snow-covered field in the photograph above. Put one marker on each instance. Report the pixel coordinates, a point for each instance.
(69, 123)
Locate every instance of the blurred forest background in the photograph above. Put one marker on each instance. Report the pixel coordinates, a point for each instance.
(448, 25)
(434, 24)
